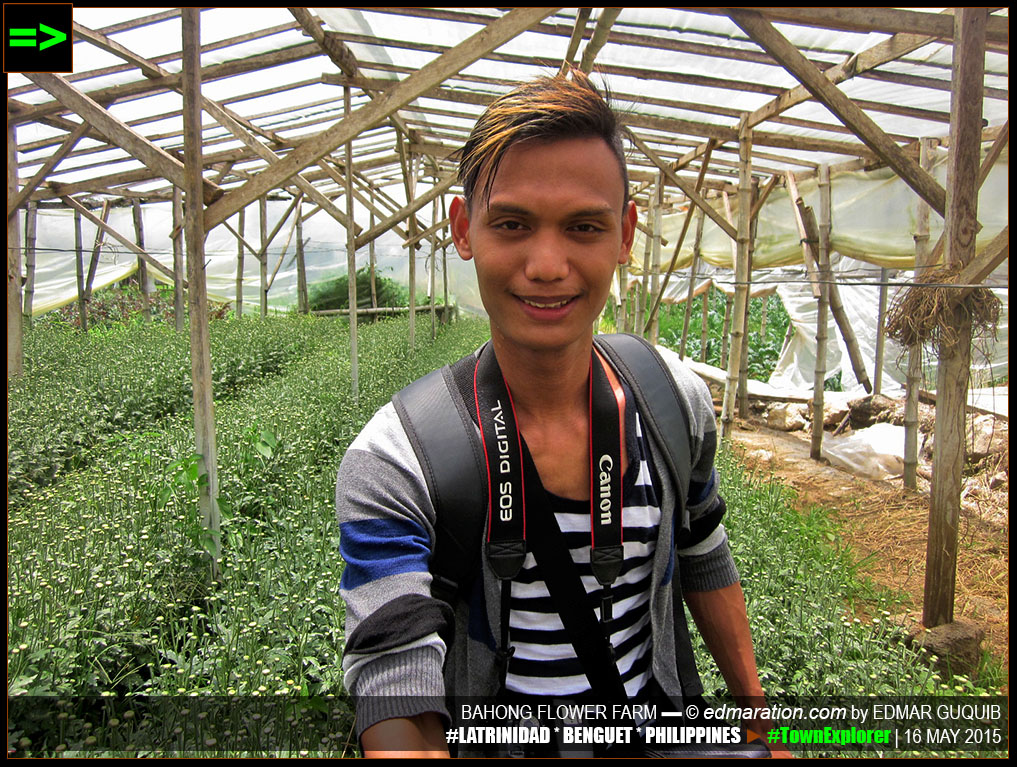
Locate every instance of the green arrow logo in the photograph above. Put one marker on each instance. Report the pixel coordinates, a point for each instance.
(26, 37)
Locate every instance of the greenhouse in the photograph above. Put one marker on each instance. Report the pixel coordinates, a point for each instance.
(171, 476)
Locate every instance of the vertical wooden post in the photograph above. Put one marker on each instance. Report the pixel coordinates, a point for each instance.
(658, 204)
(955, 356)
(644, 293)
(100, 236)
(734, 362)
(194, 234)
(444, 266)
(413, 230)
(263, 257)
(693, 270)
(434, 259)
(31, 222)
(877, 375)
(704, 328)
(743, 373)
(143, 283)
(15, 353)
(371, 256)
(762, 317)
(823, 261)
(914, 374)
(240, 263)
(725, 332)
(351, 253)
(178, 259)
(79, 273)
(302, 302)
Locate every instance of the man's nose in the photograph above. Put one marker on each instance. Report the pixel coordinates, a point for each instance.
(547, 259)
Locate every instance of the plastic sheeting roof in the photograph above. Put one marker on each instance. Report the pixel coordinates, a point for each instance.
(681, 65)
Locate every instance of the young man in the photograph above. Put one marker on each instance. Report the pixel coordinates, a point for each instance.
(546, 219)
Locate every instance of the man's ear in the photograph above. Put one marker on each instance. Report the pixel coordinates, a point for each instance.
(629, 218)
(459, 215)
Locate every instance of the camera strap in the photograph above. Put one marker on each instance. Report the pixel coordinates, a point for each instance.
(510, 481)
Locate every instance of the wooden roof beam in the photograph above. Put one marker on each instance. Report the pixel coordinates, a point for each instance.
(127, 242)
(416, 204)
(863, 19)
(172, 82)
(685, 186)
(139, 147)
(881, 53)
(15, 202)
(578, 31)
(772, 41)
(486, 40)
(599, 38)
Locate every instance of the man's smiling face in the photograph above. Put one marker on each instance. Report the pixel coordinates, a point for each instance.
(547, 241)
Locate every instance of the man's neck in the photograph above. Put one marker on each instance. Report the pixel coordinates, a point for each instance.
(546, 385)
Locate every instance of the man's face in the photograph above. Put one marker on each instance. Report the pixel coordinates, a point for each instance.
(547, 243)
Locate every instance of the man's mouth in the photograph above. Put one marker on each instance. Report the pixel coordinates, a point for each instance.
(545, 304)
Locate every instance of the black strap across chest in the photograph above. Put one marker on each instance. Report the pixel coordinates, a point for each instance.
(435, 411)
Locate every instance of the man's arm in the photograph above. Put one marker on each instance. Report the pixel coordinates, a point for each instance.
(419, 737)
(723, 623)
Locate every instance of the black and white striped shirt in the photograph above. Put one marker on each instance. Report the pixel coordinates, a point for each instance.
(545, 662)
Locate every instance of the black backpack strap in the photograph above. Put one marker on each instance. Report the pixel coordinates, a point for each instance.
(445, 440)
(664, 414)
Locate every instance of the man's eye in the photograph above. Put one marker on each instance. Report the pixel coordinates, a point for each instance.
(511, 226)
(587, 228)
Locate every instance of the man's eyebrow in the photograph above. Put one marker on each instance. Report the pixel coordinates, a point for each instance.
(502, 208)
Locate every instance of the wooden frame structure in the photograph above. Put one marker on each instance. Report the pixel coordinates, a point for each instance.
(370, 134)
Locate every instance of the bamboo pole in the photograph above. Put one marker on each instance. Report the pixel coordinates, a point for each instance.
(100, 237)
(644, 291)
(434, 259)
(263, 256)
(725, 332)
(704, 329)
(848, 334)
(654, 322)
(194, 233)
(143, 282)
(79, 273)
(823, 260)
(693, 270)
(955, 353)
(743, 374)
(444, 264)
(371, 256)
(877, 375)
(741, 278)
(15, 349)
(914, 373)
(351, 254)
(302, 303)
(240, 262)
(31, 223)
(178, 260)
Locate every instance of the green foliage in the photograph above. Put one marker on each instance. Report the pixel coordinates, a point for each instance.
(334, 293)
(800, 589)
(109, 591)
(80, 390)
(764, 344)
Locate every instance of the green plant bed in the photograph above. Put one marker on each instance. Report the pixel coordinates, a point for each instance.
(334, 293)
(801, 592)
(109, 584)
(79, 390)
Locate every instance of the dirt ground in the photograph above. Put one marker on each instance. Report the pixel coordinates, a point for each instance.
(886, 526)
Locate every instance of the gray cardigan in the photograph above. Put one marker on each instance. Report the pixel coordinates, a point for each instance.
(397, 662)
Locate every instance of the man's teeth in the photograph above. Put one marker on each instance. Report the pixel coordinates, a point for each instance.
(546, 306)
